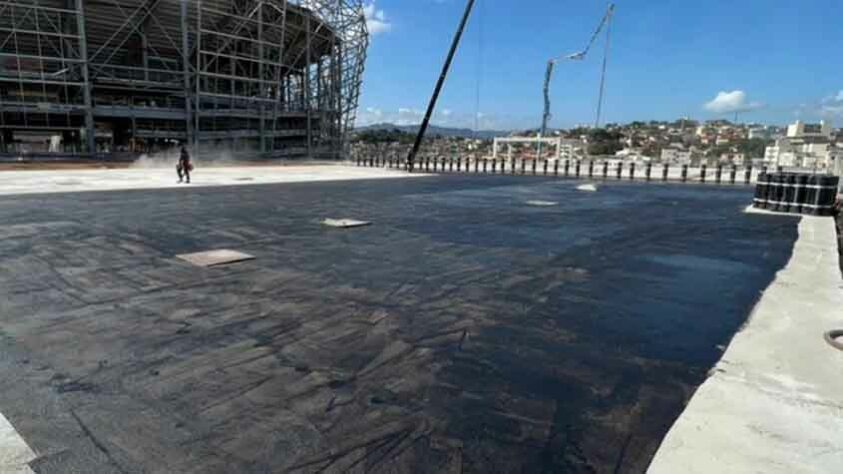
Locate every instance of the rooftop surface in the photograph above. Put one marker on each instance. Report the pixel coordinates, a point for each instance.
(463, 331)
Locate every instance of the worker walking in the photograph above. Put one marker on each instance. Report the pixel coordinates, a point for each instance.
(185, 166)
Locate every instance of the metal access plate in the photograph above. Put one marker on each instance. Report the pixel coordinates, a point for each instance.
(215, 257)
(344, 223)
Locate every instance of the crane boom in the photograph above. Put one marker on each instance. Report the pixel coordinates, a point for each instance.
(578, 56)
(411, 158)
(603, 22)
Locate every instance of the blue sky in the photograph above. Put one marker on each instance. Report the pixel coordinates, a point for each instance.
(774, 60)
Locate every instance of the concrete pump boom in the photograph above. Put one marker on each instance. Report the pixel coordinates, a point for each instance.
(579, 56)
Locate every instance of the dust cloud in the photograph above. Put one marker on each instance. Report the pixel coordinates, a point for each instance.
(203, 158)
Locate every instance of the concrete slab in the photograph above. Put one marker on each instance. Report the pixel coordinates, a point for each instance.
(345, 223)
(212, 258)
(766, 212)
(774, 402)
(64, 181)
(15, 454)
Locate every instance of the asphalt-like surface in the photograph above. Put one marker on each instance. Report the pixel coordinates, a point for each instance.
(464, 331)
(773, 403)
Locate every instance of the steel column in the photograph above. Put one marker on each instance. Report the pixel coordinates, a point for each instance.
(306, 76)
(90, 129)
(185, 47)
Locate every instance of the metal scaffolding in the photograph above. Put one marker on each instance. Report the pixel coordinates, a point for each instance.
(263, 77)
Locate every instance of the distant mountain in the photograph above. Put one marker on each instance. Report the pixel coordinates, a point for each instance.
(433, 130)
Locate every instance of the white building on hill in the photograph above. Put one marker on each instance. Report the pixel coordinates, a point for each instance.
(676, 156)
(804, 146)
(803, 130)
(553, 148)
(764, 132)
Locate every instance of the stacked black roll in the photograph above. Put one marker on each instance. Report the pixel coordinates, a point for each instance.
(800, 193)
(826, 195)
(796, 193)
(762, 185)
(788, 192)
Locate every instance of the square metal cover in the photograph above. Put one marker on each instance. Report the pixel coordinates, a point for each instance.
(344, 223)
(215, 257)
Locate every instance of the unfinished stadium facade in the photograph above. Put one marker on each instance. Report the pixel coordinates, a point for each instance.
(272, 78)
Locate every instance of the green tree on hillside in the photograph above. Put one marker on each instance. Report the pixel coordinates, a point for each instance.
(385, 136)
(604, 142)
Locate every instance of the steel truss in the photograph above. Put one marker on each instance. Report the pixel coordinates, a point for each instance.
(273, 77)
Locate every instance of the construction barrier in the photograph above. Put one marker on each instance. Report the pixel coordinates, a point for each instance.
(778, 191)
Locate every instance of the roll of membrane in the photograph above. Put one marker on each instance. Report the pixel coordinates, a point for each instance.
(762, 185)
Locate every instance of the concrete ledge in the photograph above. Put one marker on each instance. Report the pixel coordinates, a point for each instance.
(65, 181)
(774, 402)
(15, 454)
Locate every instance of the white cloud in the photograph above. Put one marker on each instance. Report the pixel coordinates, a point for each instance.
(408, 116)
(444, 117)
(832, 110)
(376, 21)
(728, 102)
(831, 106)
(369, 116)
(834, 97)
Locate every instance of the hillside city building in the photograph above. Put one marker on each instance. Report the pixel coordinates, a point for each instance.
(557, 148)
(676, 155)
(804, 146)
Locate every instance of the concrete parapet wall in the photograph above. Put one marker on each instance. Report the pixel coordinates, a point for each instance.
(774, 402)
(571, 169)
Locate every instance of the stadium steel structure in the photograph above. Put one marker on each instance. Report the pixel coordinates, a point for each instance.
(273, 77)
